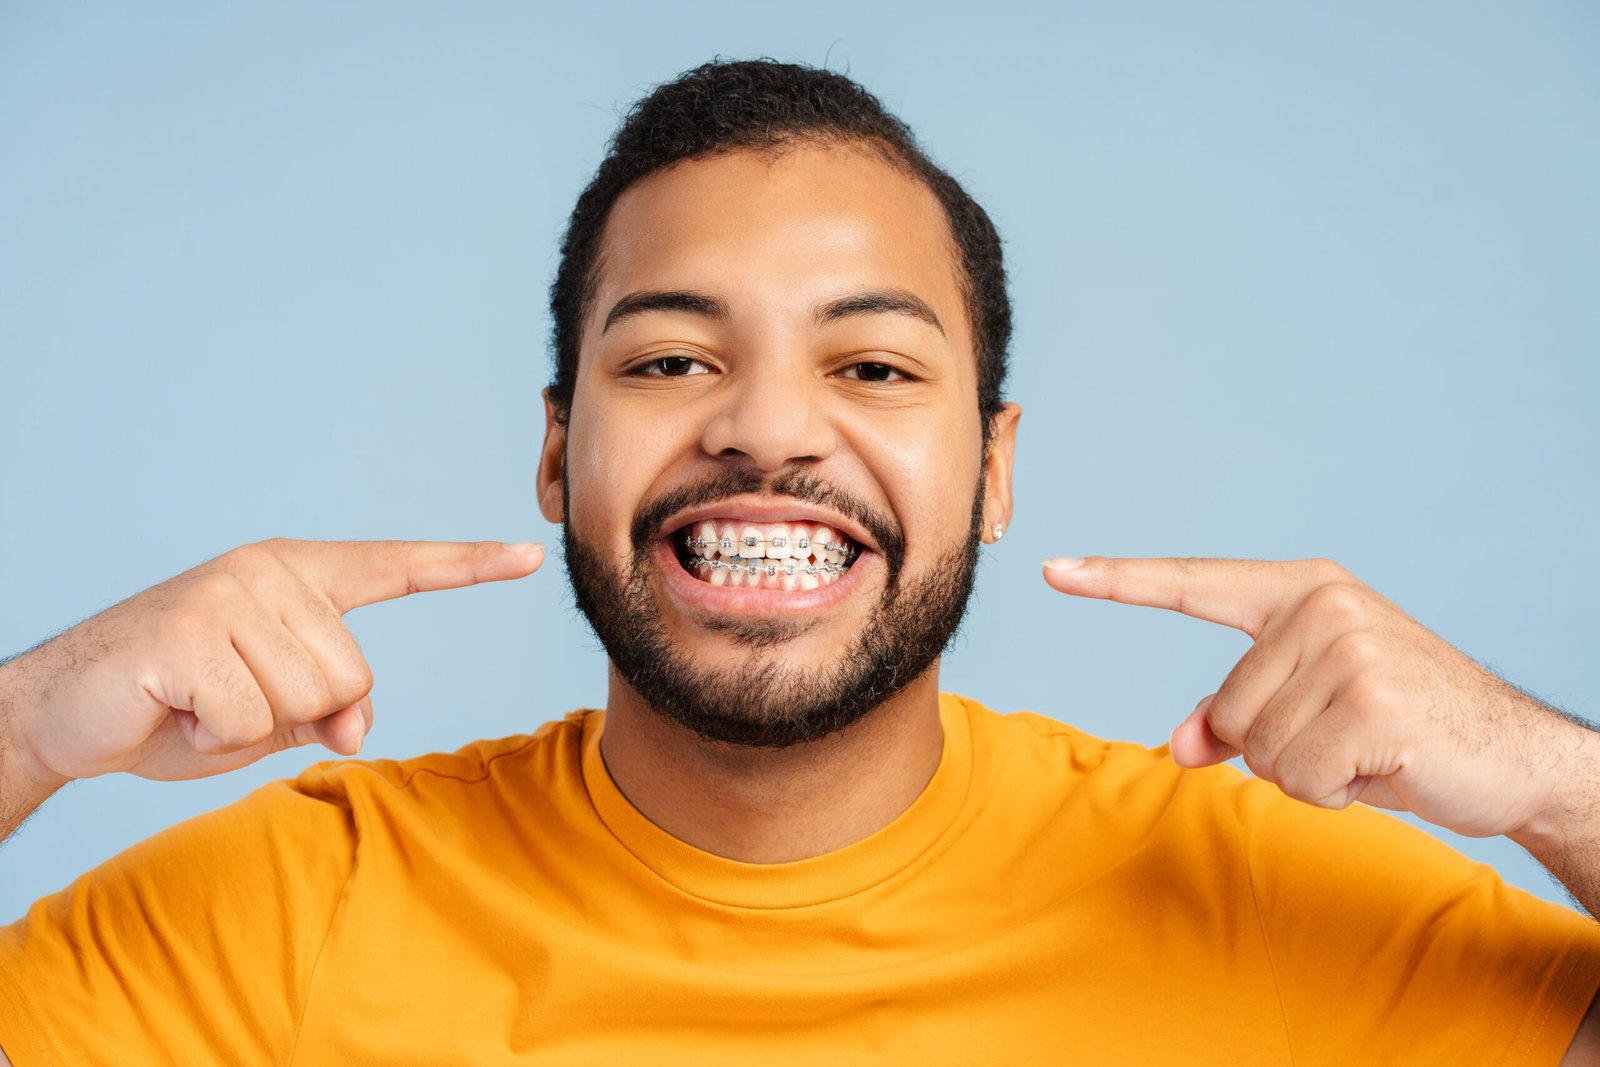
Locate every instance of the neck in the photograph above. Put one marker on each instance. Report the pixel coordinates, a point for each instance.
(774, 805)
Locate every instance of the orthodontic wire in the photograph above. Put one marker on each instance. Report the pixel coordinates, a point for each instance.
(750, 542)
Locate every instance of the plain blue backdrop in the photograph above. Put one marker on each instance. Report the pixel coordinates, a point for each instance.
(1291, 280)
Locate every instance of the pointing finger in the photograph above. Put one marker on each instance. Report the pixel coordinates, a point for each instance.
(354, 573)
(1242, 593)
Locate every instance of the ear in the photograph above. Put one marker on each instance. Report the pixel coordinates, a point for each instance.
(552, 462)
(997, 471)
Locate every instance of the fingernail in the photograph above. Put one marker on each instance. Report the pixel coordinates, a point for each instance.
(1063, 563)
(527, 548)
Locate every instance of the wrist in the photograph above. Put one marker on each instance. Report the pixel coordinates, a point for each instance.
(24, 780)
(1571, 814)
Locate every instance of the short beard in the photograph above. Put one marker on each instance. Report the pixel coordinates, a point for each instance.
(769, 704)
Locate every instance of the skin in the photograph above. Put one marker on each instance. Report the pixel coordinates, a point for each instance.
(245, 655)
(1341, 697)
(771, 240)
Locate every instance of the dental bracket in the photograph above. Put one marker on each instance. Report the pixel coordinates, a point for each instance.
(758, 566)
(728, 544)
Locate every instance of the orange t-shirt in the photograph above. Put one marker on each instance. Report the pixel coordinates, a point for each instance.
(1048, 898)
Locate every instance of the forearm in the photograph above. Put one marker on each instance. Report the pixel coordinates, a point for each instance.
(1566, 837)
(22, 788)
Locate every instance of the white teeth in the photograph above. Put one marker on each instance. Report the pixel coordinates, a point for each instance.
(786, 556)
(750, 538)
(777, 538)
(800, 541)
(821, 537)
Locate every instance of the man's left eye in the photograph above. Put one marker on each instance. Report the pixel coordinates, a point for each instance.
(873, 372)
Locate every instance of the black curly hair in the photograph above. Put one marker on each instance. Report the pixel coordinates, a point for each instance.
(762, 105)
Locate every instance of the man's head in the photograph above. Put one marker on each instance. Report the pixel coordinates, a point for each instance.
(775, 320)
(767, 109)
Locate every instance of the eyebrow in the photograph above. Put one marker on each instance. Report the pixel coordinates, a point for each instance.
(665, 300)
(877, 302)
(871, 302)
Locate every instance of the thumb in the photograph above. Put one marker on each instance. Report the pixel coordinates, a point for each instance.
(1193, 743)
(341, 732)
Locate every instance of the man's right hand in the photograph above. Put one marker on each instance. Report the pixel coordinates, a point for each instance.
(245, 655)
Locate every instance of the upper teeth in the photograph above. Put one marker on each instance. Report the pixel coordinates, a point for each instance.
(712, 539)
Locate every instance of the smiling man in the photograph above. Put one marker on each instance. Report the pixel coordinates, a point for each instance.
(775, 444)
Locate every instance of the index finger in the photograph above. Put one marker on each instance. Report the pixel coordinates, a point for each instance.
(354, 573)
(1242, 593)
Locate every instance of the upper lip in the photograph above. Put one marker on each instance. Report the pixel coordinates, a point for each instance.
(757, 509)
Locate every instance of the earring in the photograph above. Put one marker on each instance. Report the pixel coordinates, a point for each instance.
(999, 530)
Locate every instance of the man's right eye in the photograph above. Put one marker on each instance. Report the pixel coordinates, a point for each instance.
(671, 367)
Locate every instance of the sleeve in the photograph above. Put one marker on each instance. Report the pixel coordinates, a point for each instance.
(1381, 936)
(194, 946)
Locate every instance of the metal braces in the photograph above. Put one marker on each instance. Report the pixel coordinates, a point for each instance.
(729, 543)
(769, 567)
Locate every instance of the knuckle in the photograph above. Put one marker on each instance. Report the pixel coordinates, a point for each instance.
(273, 546)
(310, 700)
(245, 559)
(216, 586)
(1356, 650)
(1227, 725)
(1340, 602)
(1257, 768)
(1303, 774)
(255, 561)
(1260, 740)
(1370, 693)
(349, 682)
(1297, 782)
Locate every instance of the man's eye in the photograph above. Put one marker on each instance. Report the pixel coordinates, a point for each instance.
(873, 372)
(672, 367)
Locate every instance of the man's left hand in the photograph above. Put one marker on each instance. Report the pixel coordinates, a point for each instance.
(1345, 697)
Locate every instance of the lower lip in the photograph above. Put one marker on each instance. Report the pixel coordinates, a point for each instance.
(745, 601)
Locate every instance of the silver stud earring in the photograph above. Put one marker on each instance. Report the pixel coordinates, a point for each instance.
(999, 530)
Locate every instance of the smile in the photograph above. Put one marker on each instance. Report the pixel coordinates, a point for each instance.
(783, 556)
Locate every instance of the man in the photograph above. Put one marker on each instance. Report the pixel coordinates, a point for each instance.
(776, 442)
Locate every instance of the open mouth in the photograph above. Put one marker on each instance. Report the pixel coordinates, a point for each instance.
(785, 555)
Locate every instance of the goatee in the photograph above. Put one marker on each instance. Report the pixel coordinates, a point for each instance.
(768, 702)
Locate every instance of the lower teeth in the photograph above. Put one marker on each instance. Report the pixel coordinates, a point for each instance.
(770, 573)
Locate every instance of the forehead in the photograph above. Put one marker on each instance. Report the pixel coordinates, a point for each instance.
(764, 230)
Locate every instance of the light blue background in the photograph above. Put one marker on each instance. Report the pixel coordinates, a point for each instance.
(1290, 280)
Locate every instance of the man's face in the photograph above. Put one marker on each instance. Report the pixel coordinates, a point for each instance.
(777, 350)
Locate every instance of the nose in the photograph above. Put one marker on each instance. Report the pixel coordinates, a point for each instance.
(772, 415)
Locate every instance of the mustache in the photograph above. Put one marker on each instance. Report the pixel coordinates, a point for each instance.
(795, 484)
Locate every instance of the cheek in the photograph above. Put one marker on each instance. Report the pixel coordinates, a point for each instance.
(930, 479)
(608, 469)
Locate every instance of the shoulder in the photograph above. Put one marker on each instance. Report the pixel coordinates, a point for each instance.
(474, 762)
(1127, 781)
(1207, 811)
